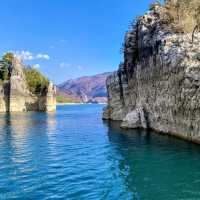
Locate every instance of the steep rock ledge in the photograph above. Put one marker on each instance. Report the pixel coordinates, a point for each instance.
(158, 84)
(15, 95)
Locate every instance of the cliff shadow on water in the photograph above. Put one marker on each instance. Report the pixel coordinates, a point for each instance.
(152, 165)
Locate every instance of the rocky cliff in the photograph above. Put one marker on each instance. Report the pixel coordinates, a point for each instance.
(15, 95)
(158, 84)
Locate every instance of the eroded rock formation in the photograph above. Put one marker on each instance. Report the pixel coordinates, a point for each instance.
(158, 84)
(15, 95)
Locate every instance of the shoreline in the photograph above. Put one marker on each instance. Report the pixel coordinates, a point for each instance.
(193, 140)
(62, 104)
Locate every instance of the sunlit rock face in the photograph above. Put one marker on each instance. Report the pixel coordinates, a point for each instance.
(48, 102)
(158, 84)
(16, 97)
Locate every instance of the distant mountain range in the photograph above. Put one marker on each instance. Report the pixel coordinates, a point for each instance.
(87, 89)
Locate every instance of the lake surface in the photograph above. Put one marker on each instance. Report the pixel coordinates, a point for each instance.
(73, 155)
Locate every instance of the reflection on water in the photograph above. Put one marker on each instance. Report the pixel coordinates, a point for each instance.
(21, 151)
(73, 155)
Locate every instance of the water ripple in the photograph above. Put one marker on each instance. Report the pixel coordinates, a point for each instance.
(73, 155)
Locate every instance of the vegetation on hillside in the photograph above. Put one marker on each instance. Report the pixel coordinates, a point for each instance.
(62, 99)
(37, 83)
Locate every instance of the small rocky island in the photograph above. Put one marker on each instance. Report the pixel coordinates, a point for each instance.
(158, 84)
(24, 88)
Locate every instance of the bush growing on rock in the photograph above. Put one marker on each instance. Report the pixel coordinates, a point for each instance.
(4, 72)
(185, 13)
(153, 6)
(37, 83)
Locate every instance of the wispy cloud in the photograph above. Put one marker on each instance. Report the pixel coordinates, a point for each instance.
(69, 65)
(43, 56)
(24, 55)
(58, 43)
(62, 41)
(64, 65)
(27, 55)
(79, 67)
(36, 66)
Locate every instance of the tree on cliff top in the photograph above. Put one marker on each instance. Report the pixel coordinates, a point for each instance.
(8, 57)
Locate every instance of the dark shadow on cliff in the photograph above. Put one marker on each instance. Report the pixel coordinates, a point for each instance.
(6, 95)
(32, 106)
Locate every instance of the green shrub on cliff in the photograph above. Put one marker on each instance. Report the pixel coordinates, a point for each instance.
(37, 83)
(5, 65)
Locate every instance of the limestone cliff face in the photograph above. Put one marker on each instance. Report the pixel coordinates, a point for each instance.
(158, 84)
(16, 97)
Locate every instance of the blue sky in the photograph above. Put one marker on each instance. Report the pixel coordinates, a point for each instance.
(68, 38)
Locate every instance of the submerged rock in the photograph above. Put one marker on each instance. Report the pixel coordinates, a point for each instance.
(158, 84)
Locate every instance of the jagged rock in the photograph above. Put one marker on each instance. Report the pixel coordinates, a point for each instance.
(50, 100)
(132, 120)
(135, 119)
(160, 75)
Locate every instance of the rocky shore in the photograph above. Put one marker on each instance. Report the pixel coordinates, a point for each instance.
(158, 84)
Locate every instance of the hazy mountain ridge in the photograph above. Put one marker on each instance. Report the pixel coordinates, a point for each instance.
(85, 89)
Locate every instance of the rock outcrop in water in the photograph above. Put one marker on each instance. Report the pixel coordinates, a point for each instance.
(15, 95)
(158, 84)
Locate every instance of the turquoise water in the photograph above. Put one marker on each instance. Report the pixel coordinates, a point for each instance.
(73, 155)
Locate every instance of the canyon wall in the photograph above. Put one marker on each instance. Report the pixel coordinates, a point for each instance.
(15, 95)
(158, 84)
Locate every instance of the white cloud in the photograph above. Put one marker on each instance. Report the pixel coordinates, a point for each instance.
(36, 66)
(43, 56)
(24, 55)
(27, 55)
